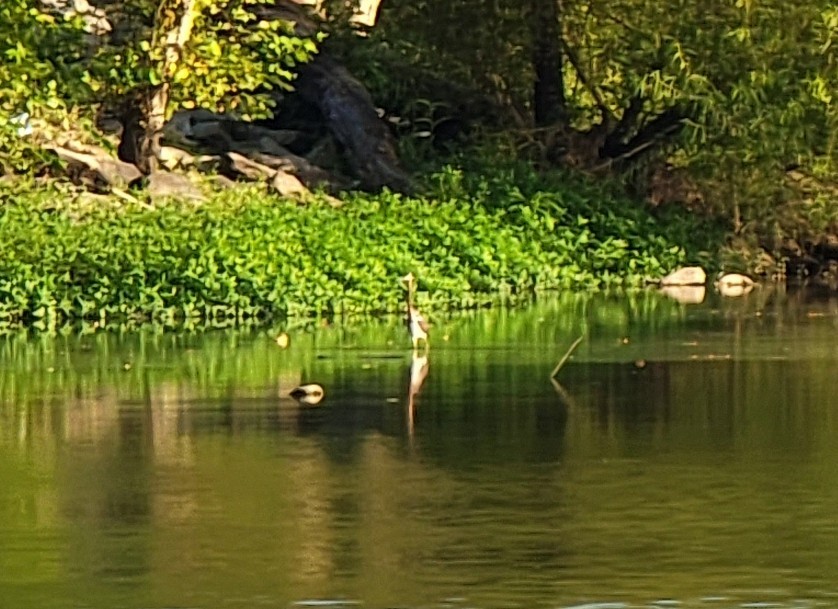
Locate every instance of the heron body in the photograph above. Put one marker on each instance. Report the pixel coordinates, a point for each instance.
(417, 325)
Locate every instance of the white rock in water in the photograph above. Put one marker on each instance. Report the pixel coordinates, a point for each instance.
(689, 275)
(734, 279)
(734, 285)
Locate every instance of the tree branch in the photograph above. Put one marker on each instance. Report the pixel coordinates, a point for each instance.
(573, 58)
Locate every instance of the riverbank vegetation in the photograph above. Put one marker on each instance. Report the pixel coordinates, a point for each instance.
(247, 254)
(557, 145)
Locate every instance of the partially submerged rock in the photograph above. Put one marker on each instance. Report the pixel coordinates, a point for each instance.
(309, 394)
(734, 285)
(688, 275)
(734, 279)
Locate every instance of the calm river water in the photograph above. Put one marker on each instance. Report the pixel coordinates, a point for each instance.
(687, 456)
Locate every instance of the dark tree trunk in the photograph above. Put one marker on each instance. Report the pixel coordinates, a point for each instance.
(144, 113)
(547, 58)
(350, 116)
(141, 126)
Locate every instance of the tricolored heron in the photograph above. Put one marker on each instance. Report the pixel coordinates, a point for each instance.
(416, 324)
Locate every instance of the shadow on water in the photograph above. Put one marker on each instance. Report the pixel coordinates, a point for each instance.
(685, 455)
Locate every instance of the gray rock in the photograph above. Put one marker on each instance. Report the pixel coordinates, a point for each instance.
(241, 165)
(284, 182)
(207, 131)
(287, 185)
(163, 184)
(109, 170)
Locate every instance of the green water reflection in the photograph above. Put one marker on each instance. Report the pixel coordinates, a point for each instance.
(689, 455)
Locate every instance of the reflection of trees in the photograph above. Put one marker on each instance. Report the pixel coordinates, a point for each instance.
(705, 404)
(154, 475)
(190, 465)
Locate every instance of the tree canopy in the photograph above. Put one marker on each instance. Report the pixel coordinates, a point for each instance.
(734, 94)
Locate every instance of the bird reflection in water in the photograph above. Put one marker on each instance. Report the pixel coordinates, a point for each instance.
(419, 367)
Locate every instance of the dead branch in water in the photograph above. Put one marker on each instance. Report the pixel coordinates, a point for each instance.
(565, 357)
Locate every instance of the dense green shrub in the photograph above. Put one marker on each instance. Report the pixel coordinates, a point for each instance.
(247, 254)
(40, 77)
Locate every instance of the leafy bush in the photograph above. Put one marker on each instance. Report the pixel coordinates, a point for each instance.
(40, 76)
(236, 56)
(246, 254)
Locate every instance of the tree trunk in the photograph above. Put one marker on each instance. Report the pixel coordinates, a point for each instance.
(350, 116)
(144, 113)
(547, 58)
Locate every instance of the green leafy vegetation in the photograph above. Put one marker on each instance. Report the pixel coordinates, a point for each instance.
(471, 240)
(735, 102)
(732, 95)
(40, 80)
(55, 76)
(234, 58)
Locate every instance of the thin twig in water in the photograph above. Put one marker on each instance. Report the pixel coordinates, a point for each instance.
(566, 398)
(565, 358)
